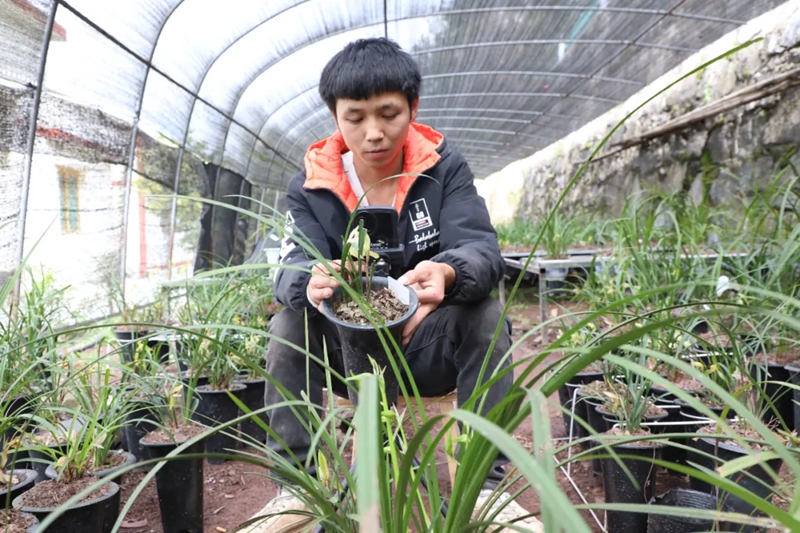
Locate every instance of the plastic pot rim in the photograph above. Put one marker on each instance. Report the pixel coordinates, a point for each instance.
(29, 473)
(17, 503)
(327, 309)
(165, 444)
(235, 387)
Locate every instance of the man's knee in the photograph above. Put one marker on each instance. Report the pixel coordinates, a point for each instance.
(286, 327)
(483, 317)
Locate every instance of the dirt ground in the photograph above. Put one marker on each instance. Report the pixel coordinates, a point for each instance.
(236, 491)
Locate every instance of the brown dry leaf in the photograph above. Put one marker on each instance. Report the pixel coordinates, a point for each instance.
(133, 524)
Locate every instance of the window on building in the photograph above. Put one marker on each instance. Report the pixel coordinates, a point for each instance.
(69, 181)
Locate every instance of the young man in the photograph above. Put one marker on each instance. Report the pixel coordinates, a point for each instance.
(452, 259)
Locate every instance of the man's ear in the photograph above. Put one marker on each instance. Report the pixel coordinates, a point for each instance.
(414, 109)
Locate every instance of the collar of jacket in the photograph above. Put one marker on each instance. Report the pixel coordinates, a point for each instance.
(324, 165)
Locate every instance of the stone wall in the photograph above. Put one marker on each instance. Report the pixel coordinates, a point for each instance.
(707, 159)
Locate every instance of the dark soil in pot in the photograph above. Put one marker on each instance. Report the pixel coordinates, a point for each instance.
(179, 482)
(13, 521)
(653, 415)
(253, 398)
(117, 460)
(359, 340)
(684, 498)
(620, 488)
(85, 517)
(216, 407)
(21, 481)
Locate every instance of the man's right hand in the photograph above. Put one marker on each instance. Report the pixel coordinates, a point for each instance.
(321, 284)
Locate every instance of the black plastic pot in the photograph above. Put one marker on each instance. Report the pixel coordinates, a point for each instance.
(186, 378)
(598, 424)
(27, 480)
(794, 375)
(611, 419)
(215, 407)
(86, 517)
(16, 406)
(112, 506)
(127, 339)
(139, 423)
(755, 479)
(34, 522)
(42, 460)
(565, 395)
(180, 488)
(619, 487)
(359, 342)
(678, 423)
(771, 379)
(253, 398)
(685, 498)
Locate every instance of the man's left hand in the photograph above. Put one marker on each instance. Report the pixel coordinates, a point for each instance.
(430, 280)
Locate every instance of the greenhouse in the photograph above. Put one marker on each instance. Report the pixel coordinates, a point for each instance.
(378, 265)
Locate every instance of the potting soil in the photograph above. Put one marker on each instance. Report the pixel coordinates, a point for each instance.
(179, 434)
(12, 522)
(51, 493)
(385, 303)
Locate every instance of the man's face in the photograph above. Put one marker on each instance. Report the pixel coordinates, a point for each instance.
(375, 129)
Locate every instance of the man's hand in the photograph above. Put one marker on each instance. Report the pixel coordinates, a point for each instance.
(322, 282)
(430, 280)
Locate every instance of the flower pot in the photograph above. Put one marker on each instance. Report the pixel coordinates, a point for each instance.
(685, 498)
(27, 478)
(619, 487)
(677, 423)
(565, 395)
(611, 419)
(186, 379)
(179, 484)
(359, 342)
(253, 398)
(40, 460)
(771, 379)
(215, 407)
(160, 344)
(598, 424)
(755, 479)
(139, 423)
(86, 517)
(127, 339)
(18, 405)
(794, 375)
(21, 521)
(112, 505)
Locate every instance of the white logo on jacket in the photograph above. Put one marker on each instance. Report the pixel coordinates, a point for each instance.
(420, 216)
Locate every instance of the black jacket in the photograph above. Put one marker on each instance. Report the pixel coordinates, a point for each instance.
(440, 219)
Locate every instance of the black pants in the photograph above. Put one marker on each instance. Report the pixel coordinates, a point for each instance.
(445, 353)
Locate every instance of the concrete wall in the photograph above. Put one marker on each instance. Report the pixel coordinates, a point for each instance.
(746, 142)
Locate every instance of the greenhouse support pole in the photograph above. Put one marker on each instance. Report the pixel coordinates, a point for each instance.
(28, 167)
(174, 213)
(260, 210)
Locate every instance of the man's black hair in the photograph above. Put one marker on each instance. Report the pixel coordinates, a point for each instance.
(367, 68)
